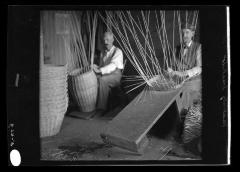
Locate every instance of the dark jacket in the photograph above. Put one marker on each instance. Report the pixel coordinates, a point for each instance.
(190, 59)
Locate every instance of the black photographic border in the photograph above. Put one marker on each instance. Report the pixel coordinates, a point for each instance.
(23, 25)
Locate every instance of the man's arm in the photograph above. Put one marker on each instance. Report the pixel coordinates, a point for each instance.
(117, 62)
(191, 72)
(198, 69)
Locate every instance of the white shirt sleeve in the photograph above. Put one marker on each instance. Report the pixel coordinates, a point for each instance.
(198, 69)
(116, 62)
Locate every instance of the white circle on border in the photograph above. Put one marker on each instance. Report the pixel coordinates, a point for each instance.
(15, 157)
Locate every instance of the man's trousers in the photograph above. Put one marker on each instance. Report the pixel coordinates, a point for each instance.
(105, 83)
(192, 92)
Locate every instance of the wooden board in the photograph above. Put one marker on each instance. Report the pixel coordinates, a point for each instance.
(130, 126)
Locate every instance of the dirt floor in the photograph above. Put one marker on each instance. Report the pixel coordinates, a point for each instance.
(80, 139)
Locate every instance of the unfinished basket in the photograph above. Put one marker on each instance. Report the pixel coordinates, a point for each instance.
(53, 98)
(84, 88)
(166, 83)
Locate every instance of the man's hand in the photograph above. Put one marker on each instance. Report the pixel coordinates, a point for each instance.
(169, 70)
(178, 73)
(96, 69)
(95, 66)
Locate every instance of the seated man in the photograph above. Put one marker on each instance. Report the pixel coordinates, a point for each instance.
(108, 72)
(189, 65)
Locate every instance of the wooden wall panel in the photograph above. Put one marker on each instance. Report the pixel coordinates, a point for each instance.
(54, 51)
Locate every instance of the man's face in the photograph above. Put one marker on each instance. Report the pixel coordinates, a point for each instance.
(187, 35)
(108, 41)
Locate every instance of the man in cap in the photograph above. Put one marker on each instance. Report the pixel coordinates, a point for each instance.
(189, 57)
(108, 72)
(189, 67)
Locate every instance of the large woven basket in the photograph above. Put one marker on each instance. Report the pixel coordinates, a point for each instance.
(53, 98)
(84, 88)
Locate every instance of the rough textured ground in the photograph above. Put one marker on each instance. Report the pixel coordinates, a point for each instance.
(80, 140)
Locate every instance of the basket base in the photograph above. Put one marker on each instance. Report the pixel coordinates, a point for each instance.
(88, 109)
(82, 115)
(50, 132)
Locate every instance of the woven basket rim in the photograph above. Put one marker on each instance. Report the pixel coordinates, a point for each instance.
(57, 73)
(53, 84)
(46, 83)
(49, 88)
(77, 72)
(57, 98)
(53, 79)
(49, 92)
(56, 76)
(46, 105)
(53, 65)
(52, 112)
(45, 113)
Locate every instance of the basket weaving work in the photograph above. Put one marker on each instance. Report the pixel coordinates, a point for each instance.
(84, 88)
(165, 83)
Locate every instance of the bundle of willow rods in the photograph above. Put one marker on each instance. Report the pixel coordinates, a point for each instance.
(147, 63)
(80, 43)
(80, 48)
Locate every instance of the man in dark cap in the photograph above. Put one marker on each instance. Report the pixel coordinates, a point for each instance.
(108, 72)
(190, 54)
(189, 65)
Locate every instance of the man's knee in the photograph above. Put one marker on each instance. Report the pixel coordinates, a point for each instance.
(108, 79)
(103, 80)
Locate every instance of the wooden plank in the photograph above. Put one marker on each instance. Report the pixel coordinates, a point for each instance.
(132, 124)
(126, 144)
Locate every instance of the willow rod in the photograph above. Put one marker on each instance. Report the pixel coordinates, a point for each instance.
(132, 60)
(146, 64)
